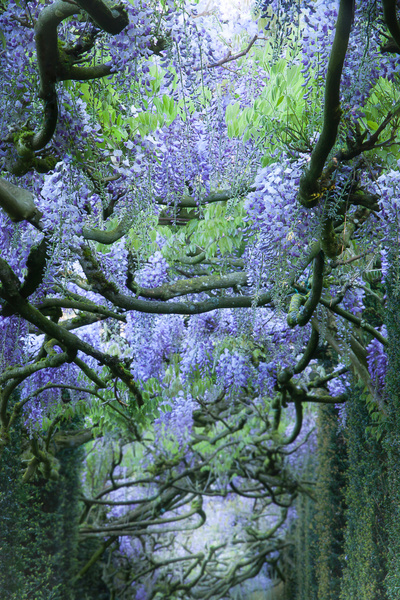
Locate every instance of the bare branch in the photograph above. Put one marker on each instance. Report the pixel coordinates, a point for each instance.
(229, 57)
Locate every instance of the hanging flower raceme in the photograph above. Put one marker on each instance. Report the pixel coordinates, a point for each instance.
(377, 363)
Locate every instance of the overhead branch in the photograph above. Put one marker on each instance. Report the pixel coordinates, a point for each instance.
(309, 190)
(55, 65)
(309, 352)
(75, 73)
(108, 237)
(48, 58)
(50, 362)
(327, 399)
(361, 323)
(286, 374)
(221, 196)
(95, 557)
(365, 199)
(72, 439)
(112, 19)
(192, 260)
(229, 57)
(194, 285)
(140, 528)
(40, 456)
(10, 291)
(298, 314)
(90, 373)
(357, 367)
(18, 203)
(341, 312)
(390, 16)
(320, 381)
(15, 376)
(36, 268)
(84, 305)
(108, 290)
(293, 435)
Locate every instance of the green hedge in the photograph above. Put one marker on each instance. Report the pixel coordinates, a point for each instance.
(313, 567)
(391, 440)
(330, 521)
(38, 530)
(366, 543)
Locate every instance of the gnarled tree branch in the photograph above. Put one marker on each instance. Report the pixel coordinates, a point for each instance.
(309, 188)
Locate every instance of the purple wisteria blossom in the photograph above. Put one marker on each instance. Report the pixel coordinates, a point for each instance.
(377, 363)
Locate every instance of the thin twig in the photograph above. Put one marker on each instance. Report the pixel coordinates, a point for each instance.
(230, 57)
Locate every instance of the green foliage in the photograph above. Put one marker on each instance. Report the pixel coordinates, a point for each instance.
(300, 558)
(91, 586)
(376, 426)
(12, 496)
(218, 229)
(365, 550)
(373, 312)
(340, 542)
(382, 100)
(141, 113)
(330, 522)
(279, 114)
(314, 570)
(38, 530)
(391, 441)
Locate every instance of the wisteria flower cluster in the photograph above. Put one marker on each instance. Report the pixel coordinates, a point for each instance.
(378, 363)
(283, 230)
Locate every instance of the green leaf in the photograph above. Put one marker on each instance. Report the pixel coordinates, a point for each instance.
(168, 104)
(231, 112)
(372, 125)
(233, 129)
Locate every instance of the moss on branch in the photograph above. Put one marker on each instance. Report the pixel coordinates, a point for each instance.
(194, 285)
